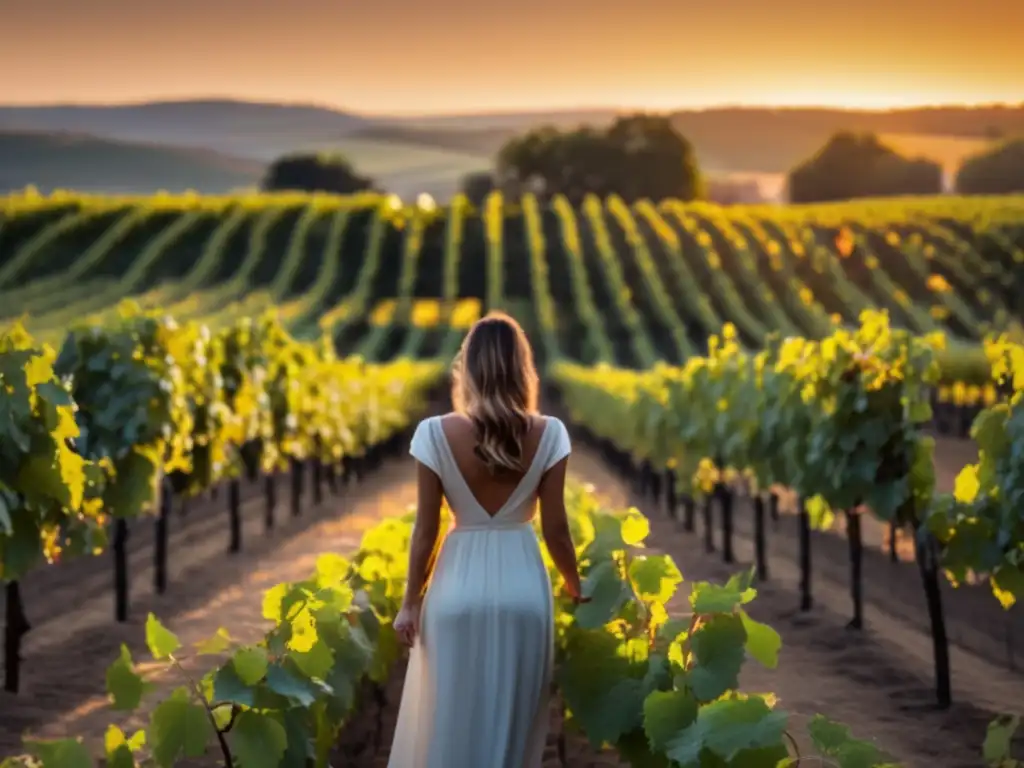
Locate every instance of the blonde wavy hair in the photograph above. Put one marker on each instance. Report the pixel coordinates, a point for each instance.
(494, 384)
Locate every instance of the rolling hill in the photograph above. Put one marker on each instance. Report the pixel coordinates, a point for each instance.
(214, 145)
(255, 130)
(75, 161)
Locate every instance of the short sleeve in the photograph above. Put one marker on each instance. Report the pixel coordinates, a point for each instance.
(560, 444)
(422, 447)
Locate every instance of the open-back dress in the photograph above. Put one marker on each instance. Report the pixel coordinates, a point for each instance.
(476, 689)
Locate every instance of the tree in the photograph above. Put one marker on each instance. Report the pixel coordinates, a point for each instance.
(998, 171)
(854, 165)
(315, 172)
(637, 156)
(477, 186)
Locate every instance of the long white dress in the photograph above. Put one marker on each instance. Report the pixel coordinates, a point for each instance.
(477, 685)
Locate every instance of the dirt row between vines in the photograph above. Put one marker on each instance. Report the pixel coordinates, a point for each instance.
(878, 680)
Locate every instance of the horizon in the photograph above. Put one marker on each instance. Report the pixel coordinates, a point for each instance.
(510, 111)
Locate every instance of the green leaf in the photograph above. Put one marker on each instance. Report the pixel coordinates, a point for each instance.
(834, 740)
(133, 489)
(284, 683)
(178, 729)
(43, 472)
(730, 726)
(634, 751)
(1008, 585)
(607, 537)
(60, 753)
(607, 591)
(160, 641)
(299, 752)
(317, 661)
(125, 686)
(655, 577)
(216, 644)
(119, 749)
(635, 528)
(331, 569)
(21, 551)
(603, 689)
(819, 513)
(763, 642)
(666, 713)
(706, 597)
(718, 650)
(827, 735)
(257, 740)
(228, 688)
(120, 757)
(999, 739)
(250, 664)
(54, 393)
(272, 600)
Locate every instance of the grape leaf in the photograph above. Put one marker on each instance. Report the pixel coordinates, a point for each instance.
(607, 592)
(125, 686)
(666, 713)
(728, 727)
(655, 577)
(160, 641)
(250, 664)
(258, 740)
(706, 597)
(635, 528)
(763, 642)
(999, 739)
(283, 682)
(216, 644)
(718, 653)
(60, 753)
(178, 729)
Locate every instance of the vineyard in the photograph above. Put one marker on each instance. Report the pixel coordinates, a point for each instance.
(386, 280)
(730, 364)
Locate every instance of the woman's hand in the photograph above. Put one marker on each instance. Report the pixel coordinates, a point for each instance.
(575, 592)
(407, 624)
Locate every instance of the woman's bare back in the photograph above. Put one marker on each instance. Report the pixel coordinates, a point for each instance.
(491, 491)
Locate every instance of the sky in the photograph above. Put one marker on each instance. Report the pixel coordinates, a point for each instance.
(450, 56)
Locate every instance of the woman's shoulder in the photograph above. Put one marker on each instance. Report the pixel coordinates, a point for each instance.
(554, 423)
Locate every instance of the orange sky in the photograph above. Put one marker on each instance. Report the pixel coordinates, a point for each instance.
(419, 56)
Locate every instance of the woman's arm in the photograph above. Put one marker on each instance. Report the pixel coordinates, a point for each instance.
(554, 524)
(424, 533)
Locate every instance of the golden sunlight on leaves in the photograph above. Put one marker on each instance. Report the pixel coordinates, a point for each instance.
(845, 242)
(938, 284)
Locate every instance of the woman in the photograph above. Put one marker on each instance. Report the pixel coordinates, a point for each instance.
(482, 635)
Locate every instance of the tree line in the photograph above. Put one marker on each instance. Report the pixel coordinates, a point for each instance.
(644, 156)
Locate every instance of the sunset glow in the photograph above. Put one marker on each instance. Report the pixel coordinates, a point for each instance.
(407, 57)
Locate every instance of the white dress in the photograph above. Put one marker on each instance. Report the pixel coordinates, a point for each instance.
(477, 687)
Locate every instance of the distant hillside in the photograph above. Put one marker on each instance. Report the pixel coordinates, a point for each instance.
(737, 140)
(472, 139)
(430, 153)
(773, 141)
(258, 130)
(74, 161)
